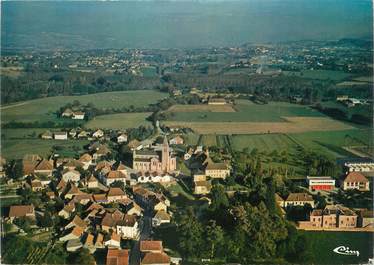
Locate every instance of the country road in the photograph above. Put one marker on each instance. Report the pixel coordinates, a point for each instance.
(145, 233)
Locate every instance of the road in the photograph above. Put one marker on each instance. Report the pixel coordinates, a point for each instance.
(145, 233)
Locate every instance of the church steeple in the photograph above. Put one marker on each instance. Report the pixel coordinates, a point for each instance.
(165, 155)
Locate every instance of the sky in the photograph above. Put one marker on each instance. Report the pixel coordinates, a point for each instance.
(179, 24)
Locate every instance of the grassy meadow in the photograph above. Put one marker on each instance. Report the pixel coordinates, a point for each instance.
(119, 121)
(44, 109)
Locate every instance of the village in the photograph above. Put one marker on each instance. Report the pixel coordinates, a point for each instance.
(101, 204)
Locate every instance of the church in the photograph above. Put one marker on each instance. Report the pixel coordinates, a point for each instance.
(151, 160)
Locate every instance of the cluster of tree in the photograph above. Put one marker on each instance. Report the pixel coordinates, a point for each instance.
(43, 124)
(318, 164)
(340, 114)
(15, 250)
(37, 82)
(246, 228)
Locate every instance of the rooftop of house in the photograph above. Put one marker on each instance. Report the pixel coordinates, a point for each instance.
(156, 258)
(20, 210)
(114, 174)
(114, 191)
(355, 177)
(44, 165)
(302, 197)
(162, 215)
(150, 245)
(117, 257)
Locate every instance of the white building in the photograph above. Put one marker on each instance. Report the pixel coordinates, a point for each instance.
(78, 115)
(154, 178)
(61, 135)
(128, 227)
(71, 175)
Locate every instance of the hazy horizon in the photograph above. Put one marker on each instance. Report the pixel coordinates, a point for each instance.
(179, 24)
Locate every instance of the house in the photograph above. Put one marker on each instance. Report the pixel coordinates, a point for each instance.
(74, 233)
(16, 211)
(134, 145)
(128, 227)
(151, 246)
(117, 257)
(216, 101)
(188, 154)
(154, 178)
(333, 216)
(72, 192)
(122, 138)
(366, 168)
(44, 167)
(47, 135)
(78, 115)
(67, 211)
(155, 259)
(73, 245)
(83, 198)
(71, 175)
(60, 135)
(89, 243)
(114, 241)
(113, 176)
(356, 181)
(153, 253)
(132, 208)
(366, 218)
(67, 113)
(299, 199)
(176, 140)
(202, 187)
(86, 160)
(98, 134)
(72, 164)
(102, 150)
(77, 221)
(279, 200)
(320, 183)
(51, 195)
(92, 182)
(115, 194)
(153, 161)
(100, 198)
(29, 163)
(161, 217)
(61, 186)
(217, 170)
(36, 185)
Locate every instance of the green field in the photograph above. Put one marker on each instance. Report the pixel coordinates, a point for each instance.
(263, 142)
(17, 148)
(119, 121)
(322, 244)
(319, 74)
(249, 112)
(44, 109)
(331, 142)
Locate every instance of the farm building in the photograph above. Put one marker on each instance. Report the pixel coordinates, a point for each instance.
(320, 183)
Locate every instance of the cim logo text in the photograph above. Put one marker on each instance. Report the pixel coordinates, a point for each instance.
(342, 250)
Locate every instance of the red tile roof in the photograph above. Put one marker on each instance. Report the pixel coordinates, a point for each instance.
(20, 210)
(156, 258)
(148, 245)
(355, 177)
(117, 257)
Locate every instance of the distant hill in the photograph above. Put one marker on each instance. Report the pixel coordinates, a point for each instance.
(179, 24)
